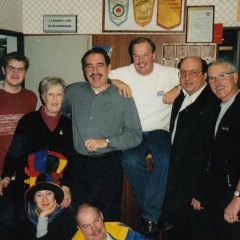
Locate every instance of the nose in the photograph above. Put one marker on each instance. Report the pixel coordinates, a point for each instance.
(141, 58)
(188, 76)
(44, 197)
(95, 69)
(216, 80)
(15, 71)
(93, 227)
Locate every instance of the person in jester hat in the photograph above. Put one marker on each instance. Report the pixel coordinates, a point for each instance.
(41, 216)
(46, 129)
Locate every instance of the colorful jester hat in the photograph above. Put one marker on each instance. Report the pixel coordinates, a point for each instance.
(45, 166)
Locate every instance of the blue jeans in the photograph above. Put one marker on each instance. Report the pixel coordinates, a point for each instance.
(149, 187)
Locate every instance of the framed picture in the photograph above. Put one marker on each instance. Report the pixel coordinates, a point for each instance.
(200, 24)
(144, 16)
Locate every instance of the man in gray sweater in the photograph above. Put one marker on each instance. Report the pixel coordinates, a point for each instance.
(104, 124)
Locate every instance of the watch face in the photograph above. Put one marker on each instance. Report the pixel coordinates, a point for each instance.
(237, 193)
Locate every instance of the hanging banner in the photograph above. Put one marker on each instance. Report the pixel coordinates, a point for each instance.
(169, 13)
(143, 11)
(118, 11)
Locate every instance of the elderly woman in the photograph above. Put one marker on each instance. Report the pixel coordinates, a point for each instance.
(46, 129)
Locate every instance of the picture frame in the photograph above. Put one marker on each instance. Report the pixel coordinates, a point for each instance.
(200, 24)
(113, 10)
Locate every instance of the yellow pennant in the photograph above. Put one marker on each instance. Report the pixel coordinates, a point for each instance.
(169, 13)
(143, 11)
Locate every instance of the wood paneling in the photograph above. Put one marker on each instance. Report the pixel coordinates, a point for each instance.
(120, 42)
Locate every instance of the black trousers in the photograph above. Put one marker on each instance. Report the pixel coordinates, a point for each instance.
(98, 180)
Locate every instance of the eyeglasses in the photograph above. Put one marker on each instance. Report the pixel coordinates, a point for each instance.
(220, 76)
(191, 73)
(13, 69)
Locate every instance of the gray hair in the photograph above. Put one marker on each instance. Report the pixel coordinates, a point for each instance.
(49, 82)
(229, 63)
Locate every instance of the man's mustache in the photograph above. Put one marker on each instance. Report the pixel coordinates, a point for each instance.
(141, 63)
(219, 86)
(96, 75)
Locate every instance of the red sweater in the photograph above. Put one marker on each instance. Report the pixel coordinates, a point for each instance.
(12, 107)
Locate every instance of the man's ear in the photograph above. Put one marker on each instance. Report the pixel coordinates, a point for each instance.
(3, 70)
(235, 76)
(101, 215)
(205, 76)
(109, 68)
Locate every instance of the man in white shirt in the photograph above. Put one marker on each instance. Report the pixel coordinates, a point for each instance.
(149, 82)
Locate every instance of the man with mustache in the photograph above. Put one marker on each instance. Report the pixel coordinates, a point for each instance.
(190, 116)
(104, 124)
(91, 226)
(149, 82)
(222, 191)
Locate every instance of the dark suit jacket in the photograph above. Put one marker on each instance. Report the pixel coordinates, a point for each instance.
(223, 158)
(185, 170)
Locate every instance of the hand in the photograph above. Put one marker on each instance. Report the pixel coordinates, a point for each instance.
(3, 184)
(123, 87)
(93, 145)
(67, 197)
(170, 96)
(196, 204)
(46, 213)
(232, 210)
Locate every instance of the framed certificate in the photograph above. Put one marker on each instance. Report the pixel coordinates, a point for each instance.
(200, 24)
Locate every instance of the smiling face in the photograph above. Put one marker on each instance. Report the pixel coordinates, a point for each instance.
(53, 99)
(143, 58)
(97, 71)
(223, 89)
(90, 222)
(14, 74)
(192, 82)
(44, 200)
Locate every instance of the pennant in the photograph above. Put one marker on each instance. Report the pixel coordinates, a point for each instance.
(143, 11)
(118, 11)
(169, 13)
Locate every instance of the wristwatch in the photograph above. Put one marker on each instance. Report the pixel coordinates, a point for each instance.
(107, 141)
(237, 193)
(179, 87)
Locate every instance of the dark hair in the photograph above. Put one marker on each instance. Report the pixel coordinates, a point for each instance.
(204, 63)
(138, 41)
(95, 50)
(16, 56)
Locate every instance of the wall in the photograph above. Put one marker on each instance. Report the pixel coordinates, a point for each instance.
(11, 15)
(27, 15)
(58, 56)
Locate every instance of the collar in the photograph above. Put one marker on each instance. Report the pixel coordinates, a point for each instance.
(194, 96)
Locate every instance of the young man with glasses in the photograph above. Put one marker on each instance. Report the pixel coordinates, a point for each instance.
(190, 112)
(222, 191)
(15, 101)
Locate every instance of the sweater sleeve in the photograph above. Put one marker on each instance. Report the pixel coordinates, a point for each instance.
(42, 226)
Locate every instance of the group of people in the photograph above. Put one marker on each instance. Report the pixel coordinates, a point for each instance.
(68, 157)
